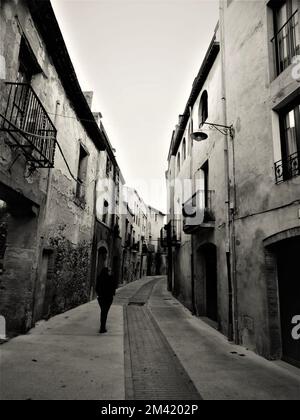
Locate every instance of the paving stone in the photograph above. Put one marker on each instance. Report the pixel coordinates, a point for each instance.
(156, 372)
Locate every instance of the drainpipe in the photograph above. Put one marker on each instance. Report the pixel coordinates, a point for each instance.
(230, 240)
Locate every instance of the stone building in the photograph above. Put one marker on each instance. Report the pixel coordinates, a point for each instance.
(238, 266)
(135, 236)
(107, 246)
(203, 163)
(51, 152)
(157, 254)
(142, 251)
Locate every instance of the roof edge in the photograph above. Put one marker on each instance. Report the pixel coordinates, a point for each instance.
(207, 64)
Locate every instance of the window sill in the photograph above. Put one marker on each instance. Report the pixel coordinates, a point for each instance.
(285, 181)
(282, 78)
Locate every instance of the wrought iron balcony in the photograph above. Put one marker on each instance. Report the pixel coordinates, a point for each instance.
(288, 168)
(286, 44)
(198, 212)
(173, 233)
(29, 125)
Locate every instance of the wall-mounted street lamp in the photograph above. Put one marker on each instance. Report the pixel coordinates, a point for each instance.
(223, 129)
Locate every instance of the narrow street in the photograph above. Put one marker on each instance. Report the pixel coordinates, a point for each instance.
(169, 355)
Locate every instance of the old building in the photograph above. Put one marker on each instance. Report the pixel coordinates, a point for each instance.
(264, 106)
(107, 246)
(135, 241)
(203, 163)
(157, 254)
(238, 265)
(143, 254)
(51, 152)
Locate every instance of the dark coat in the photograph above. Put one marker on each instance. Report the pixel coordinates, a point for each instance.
(105, 286)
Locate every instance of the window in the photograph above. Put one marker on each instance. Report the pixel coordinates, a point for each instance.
(203, 108)
(288, 167)
(28, 65)
(205, 171)
(178, 163)
(184, 149)
(286, 40)
(190, 139)
(108, 167)
(105, 212)
(82, 172)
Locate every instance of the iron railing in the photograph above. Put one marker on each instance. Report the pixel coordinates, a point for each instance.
(287, 168)
(286, 44)
(29, 125)
(198, 210)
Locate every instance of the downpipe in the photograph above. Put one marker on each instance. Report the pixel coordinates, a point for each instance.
(233, 327)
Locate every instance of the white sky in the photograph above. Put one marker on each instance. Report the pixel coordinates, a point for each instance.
(140, 57)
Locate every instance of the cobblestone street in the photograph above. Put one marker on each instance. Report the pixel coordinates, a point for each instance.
(156, 372)
(169, 354)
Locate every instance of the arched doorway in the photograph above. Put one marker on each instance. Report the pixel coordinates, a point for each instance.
(283, 281)
(206, 282)
(288, 264)
(19, 259)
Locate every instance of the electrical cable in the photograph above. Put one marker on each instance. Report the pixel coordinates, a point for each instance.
(67, 165)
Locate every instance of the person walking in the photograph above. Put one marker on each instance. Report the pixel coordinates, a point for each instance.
(106, 290)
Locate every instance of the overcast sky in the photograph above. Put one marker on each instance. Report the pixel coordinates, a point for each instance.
(140, 58)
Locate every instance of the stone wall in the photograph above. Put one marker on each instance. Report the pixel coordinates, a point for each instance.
(48, 259)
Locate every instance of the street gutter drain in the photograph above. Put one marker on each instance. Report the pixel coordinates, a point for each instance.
(136, 304)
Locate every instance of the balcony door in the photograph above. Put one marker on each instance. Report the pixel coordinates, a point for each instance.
(290, 142)
(286, 40)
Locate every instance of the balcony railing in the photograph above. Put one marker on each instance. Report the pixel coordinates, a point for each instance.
(288, 168)
(286, 44)
(29, 125)
(198, 212)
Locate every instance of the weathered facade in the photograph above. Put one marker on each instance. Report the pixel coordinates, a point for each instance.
(263, 104)
(143, 254)
(157, 254)
(107, 245)
(238, 265)
(134, 261)
(203, 163)
(51, 153)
